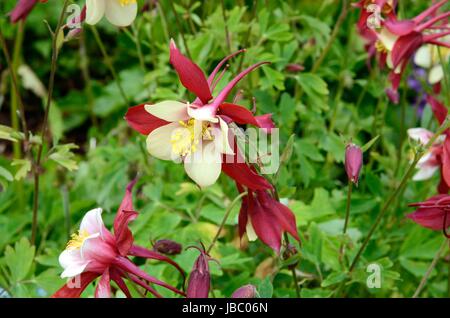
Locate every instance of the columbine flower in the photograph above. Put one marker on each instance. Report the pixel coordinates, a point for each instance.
(94, 252)
(197, 134)
(428, 58)
(246, 291)
(353, 162)
(438, 157)
(263, 217)
(22, 9)
(121, 13)
(401, 39)
(200, 278)
(433, 213)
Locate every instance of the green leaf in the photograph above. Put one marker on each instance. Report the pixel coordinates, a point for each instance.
(24, 167)
(19, 259)
(265, 288)
(63, 155)
(369, 144)
(333, 279)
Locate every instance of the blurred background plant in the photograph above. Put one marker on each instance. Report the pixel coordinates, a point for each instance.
(321, 94)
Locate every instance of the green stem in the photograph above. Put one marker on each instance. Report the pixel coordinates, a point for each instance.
(84, 65)
(294, 273)
(140, 54)
(224, 220)
(109, 64)
(51, 85)
(227, 34)
(418, 155)
(347, 217)
(180, 28)
(333, 36)
(430, 268)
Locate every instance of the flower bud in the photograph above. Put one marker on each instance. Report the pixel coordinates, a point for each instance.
(200, 278)
(294, 68)
(22, 9)
(167, 247)
(246, 291)
(353, 162)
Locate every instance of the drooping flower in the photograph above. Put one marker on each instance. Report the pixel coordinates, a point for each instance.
(121, 13)
(246, 291)
(261, 216)
(200, 277)
(22, 9)
(353, 162)
(94, 251)
(197, 134)
(433, 213)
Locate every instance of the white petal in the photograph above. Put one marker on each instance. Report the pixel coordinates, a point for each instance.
(423, 57)
(251, 234)
(436, 74)
(159, 142)
(425, 172)
(120, 15)
(95, 10)
(72, 263)
(221, 139)
(421, 135)
(204, 113)
(387, 38)
(92, 222)
(204, 166)
(169, 110)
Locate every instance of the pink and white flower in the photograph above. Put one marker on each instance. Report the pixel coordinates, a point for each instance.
(94, 251)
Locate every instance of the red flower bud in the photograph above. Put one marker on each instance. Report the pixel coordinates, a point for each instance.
(167, 247)
(22, 9)
(200, 278)
(246, 291)
(294, 68)
(353, 162)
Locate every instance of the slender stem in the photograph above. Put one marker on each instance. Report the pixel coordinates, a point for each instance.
(418, 155)
(249, 32)
(109, 64)
(15, 83)
(347, 217)
(294, 273)
(140, 53)
(227, 33)
(333, 36)
(84, 65)
(430, 268)
(51, 85)
(180, 28)
(224, 220)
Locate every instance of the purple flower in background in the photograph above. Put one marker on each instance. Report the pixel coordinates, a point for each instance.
(246, 291)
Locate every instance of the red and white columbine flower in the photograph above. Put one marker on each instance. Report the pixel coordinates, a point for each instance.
(121, 13)
(94, 251)
(197, 134)
(438, 157)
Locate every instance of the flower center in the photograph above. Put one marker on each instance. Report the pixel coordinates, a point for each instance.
(77, 240)
(380, 47)
(124, 3)
(185, 139)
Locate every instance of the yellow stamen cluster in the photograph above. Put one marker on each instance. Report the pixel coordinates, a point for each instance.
(77, 240)
(124, 3)
(185, 139)
(380, 47)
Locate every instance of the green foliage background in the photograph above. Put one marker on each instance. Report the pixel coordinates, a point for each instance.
(340, 101)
